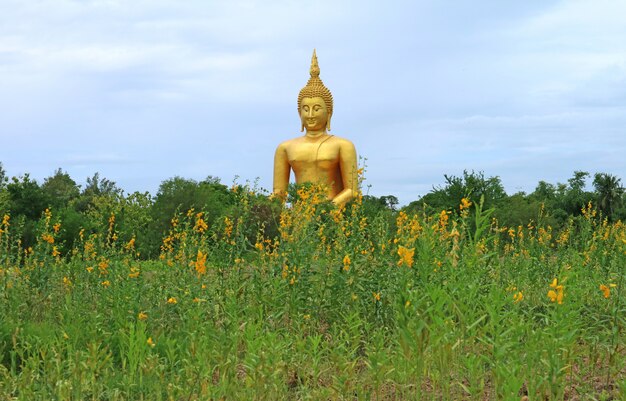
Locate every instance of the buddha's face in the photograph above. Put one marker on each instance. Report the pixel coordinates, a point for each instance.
(313, 113)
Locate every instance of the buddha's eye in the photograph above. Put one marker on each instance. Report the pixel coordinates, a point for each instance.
(305, 108)
(317, 108)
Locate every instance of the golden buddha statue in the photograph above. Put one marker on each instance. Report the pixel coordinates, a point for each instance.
(317, 157)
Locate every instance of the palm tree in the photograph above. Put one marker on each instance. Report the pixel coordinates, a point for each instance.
(609, 191)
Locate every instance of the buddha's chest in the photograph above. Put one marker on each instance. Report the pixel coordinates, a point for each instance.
(306, 155)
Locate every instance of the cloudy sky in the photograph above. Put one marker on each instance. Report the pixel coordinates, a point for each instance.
(146, 90)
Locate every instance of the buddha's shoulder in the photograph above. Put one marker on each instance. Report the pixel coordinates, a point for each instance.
(342, 142)
(289, 144)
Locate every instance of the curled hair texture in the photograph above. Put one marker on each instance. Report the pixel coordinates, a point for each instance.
(316, 91)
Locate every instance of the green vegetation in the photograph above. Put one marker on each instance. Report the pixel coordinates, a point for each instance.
(209, 292)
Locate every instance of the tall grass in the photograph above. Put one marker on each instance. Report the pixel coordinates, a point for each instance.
(337, 306)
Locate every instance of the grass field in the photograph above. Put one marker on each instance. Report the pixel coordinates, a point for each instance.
(337, 306)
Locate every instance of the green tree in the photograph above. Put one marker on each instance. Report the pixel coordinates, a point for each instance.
(3, 176)
(471, 185)
(576, 197)
(4, 195)
(179, 194)
(26, 202)
(373, 204)
(61, 189)
(383, 207)
(519, 209)
(27, 198)
(95, 188)
(544, 192)
(551, 197)
(62, 193)
(609, 191)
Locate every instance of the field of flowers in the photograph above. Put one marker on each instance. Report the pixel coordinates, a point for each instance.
(336, 306)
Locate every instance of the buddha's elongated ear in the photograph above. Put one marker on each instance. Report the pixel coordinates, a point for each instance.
(302, 128)
(328, 122)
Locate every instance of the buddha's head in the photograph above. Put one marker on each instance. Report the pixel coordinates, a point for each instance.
(315, 102)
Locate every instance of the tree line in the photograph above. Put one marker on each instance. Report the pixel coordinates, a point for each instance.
(147, 218)
(555, 204)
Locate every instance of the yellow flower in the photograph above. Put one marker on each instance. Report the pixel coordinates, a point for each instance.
(103, 266)
(142, 316)
(228, 227)
(130, 245)
(443, 218)
(55, 251)
(511, 233)
(201, 226)
(346, 263)
(172, 300)
(606, 290)
(200, 263)
(106, 283)
(89, 248)
(56, 227)
(134, 272)
(556, 293)
(465, 204)
(150, 342)
(307, 317)
(48, 238)
(376, 296)
(518, 296)
(406, 256)
(67, 282)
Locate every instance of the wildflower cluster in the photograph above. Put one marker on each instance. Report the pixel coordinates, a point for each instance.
(556, 292)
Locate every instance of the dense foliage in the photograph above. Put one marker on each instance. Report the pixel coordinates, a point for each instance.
(211, 292)
(147, 217)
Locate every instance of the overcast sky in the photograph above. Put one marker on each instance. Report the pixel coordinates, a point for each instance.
(145, 90)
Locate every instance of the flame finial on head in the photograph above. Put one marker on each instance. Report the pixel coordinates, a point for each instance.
(315, 87)
(315, 68)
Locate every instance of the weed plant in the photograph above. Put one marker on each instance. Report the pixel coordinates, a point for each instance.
(338, 305)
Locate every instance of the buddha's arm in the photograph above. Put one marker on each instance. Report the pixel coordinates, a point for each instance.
(347, 163)
(281, 171)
